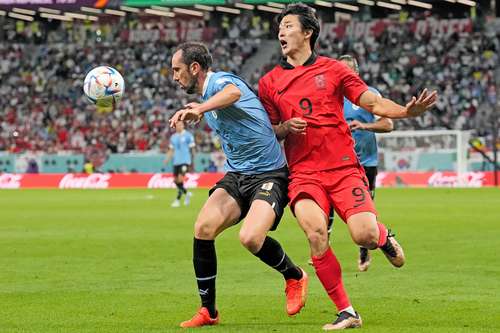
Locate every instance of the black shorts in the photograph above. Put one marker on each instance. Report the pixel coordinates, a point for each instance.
(180, 169)
(271, 186)
(371, 174)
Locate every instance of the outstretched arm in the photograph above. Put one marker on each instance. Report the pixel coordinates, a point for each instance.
(385, 107)
(193, 112)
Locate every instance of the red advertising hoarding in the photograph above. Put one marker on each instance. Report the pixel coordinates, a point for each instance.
(207, 180)
(436, 179)
(104, 181)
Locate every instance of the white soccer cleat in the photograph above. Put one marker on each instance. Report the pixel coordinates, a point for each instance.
(364, 259)
(176, 203)
(393, 251)
(187, 198)
(344, 321)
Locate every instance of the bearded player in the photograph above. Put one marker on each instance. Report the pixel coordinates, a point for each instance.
(253, 190)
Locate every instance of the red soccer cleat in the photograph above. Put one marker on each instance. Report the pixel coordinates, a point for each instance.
(296, 294)
(201, 318)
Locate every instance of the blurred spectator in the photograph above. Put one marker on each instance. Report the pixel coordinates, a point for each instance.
(211, 167)
(88, 167)
(32, 166)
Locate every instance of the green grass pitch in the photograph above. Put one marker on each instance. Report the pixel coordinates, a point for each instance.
(120, 261)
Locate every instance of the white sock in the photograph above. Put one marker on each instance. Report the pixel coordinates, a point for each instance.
(350, 310)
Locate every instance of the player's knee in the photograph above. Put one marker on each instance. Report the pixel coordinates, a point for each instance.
(317, 236)
(204, 229)
(367, 238)
(251, 241)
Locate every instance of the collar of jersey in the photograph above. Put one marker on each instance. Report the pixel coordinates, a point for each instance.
(205, 84)
(286, 65)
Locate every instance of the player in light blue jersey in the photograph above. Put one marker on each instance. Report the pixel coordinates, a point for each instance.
(180, 152)
(364, 125)
(254, 188)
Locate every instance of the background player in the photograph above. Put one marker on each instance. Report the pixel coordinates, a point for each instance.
(181, 149)
(253, 189)
(304, 97)
(364, 125)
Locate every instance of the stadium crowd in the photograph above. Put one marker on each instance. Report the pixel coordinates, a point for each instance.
(42, 107)
(462, 67)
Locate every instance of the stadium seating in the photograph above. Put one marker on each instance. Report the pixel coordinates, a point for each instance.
(43, 110)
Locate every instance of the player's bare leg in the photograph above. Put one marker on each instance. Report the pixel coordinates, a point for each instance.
(365, 259)
(330, 230)
(368, 233)
(253, 236)
(219, 213)
(314, 223)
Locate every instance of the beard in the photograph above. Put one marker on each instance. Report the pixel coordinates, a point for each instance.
(191, 87)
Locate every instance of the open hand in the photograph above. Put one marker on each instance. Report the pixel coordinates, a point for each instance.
(420, 105)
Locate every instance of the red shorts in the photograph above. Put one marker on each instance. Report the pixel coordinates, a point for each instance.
(345, 189)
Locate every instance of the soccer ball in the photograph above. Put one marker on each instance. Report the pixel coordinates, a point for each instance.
(104, 86)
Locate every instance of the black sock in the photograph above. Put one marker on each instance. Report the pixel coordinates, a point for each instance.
(273, 255)
(180, 190)
(205, 268)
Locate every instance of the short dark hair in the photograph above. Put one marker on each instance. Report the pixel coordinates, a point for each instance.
(350, 58)
(307, 17)
(196, 52)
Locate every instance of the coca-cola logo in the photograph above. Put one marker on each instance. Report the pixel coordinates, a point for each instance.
(95, 180)
(467, 179)
(158, 180)
(8, 180)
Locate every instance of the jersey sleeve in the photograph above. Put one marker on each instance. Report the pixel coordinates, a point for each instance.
(353, 85)
(221, 82)
(267, 102)
(375, 91)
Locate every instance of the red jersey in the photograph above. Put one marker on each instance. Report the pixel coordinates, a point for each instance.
(314, 92)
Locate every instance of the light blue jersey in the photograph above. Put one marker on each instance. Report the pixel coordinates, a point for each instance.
(182, 143)
(365, 141)
(247, 137)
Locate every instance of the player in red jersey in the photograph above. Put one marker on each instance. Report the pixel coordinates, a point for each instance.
(304, 97)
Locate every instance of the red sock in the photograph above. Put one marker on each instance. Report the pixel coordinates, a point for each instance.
(382, 237)
(330, 274)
